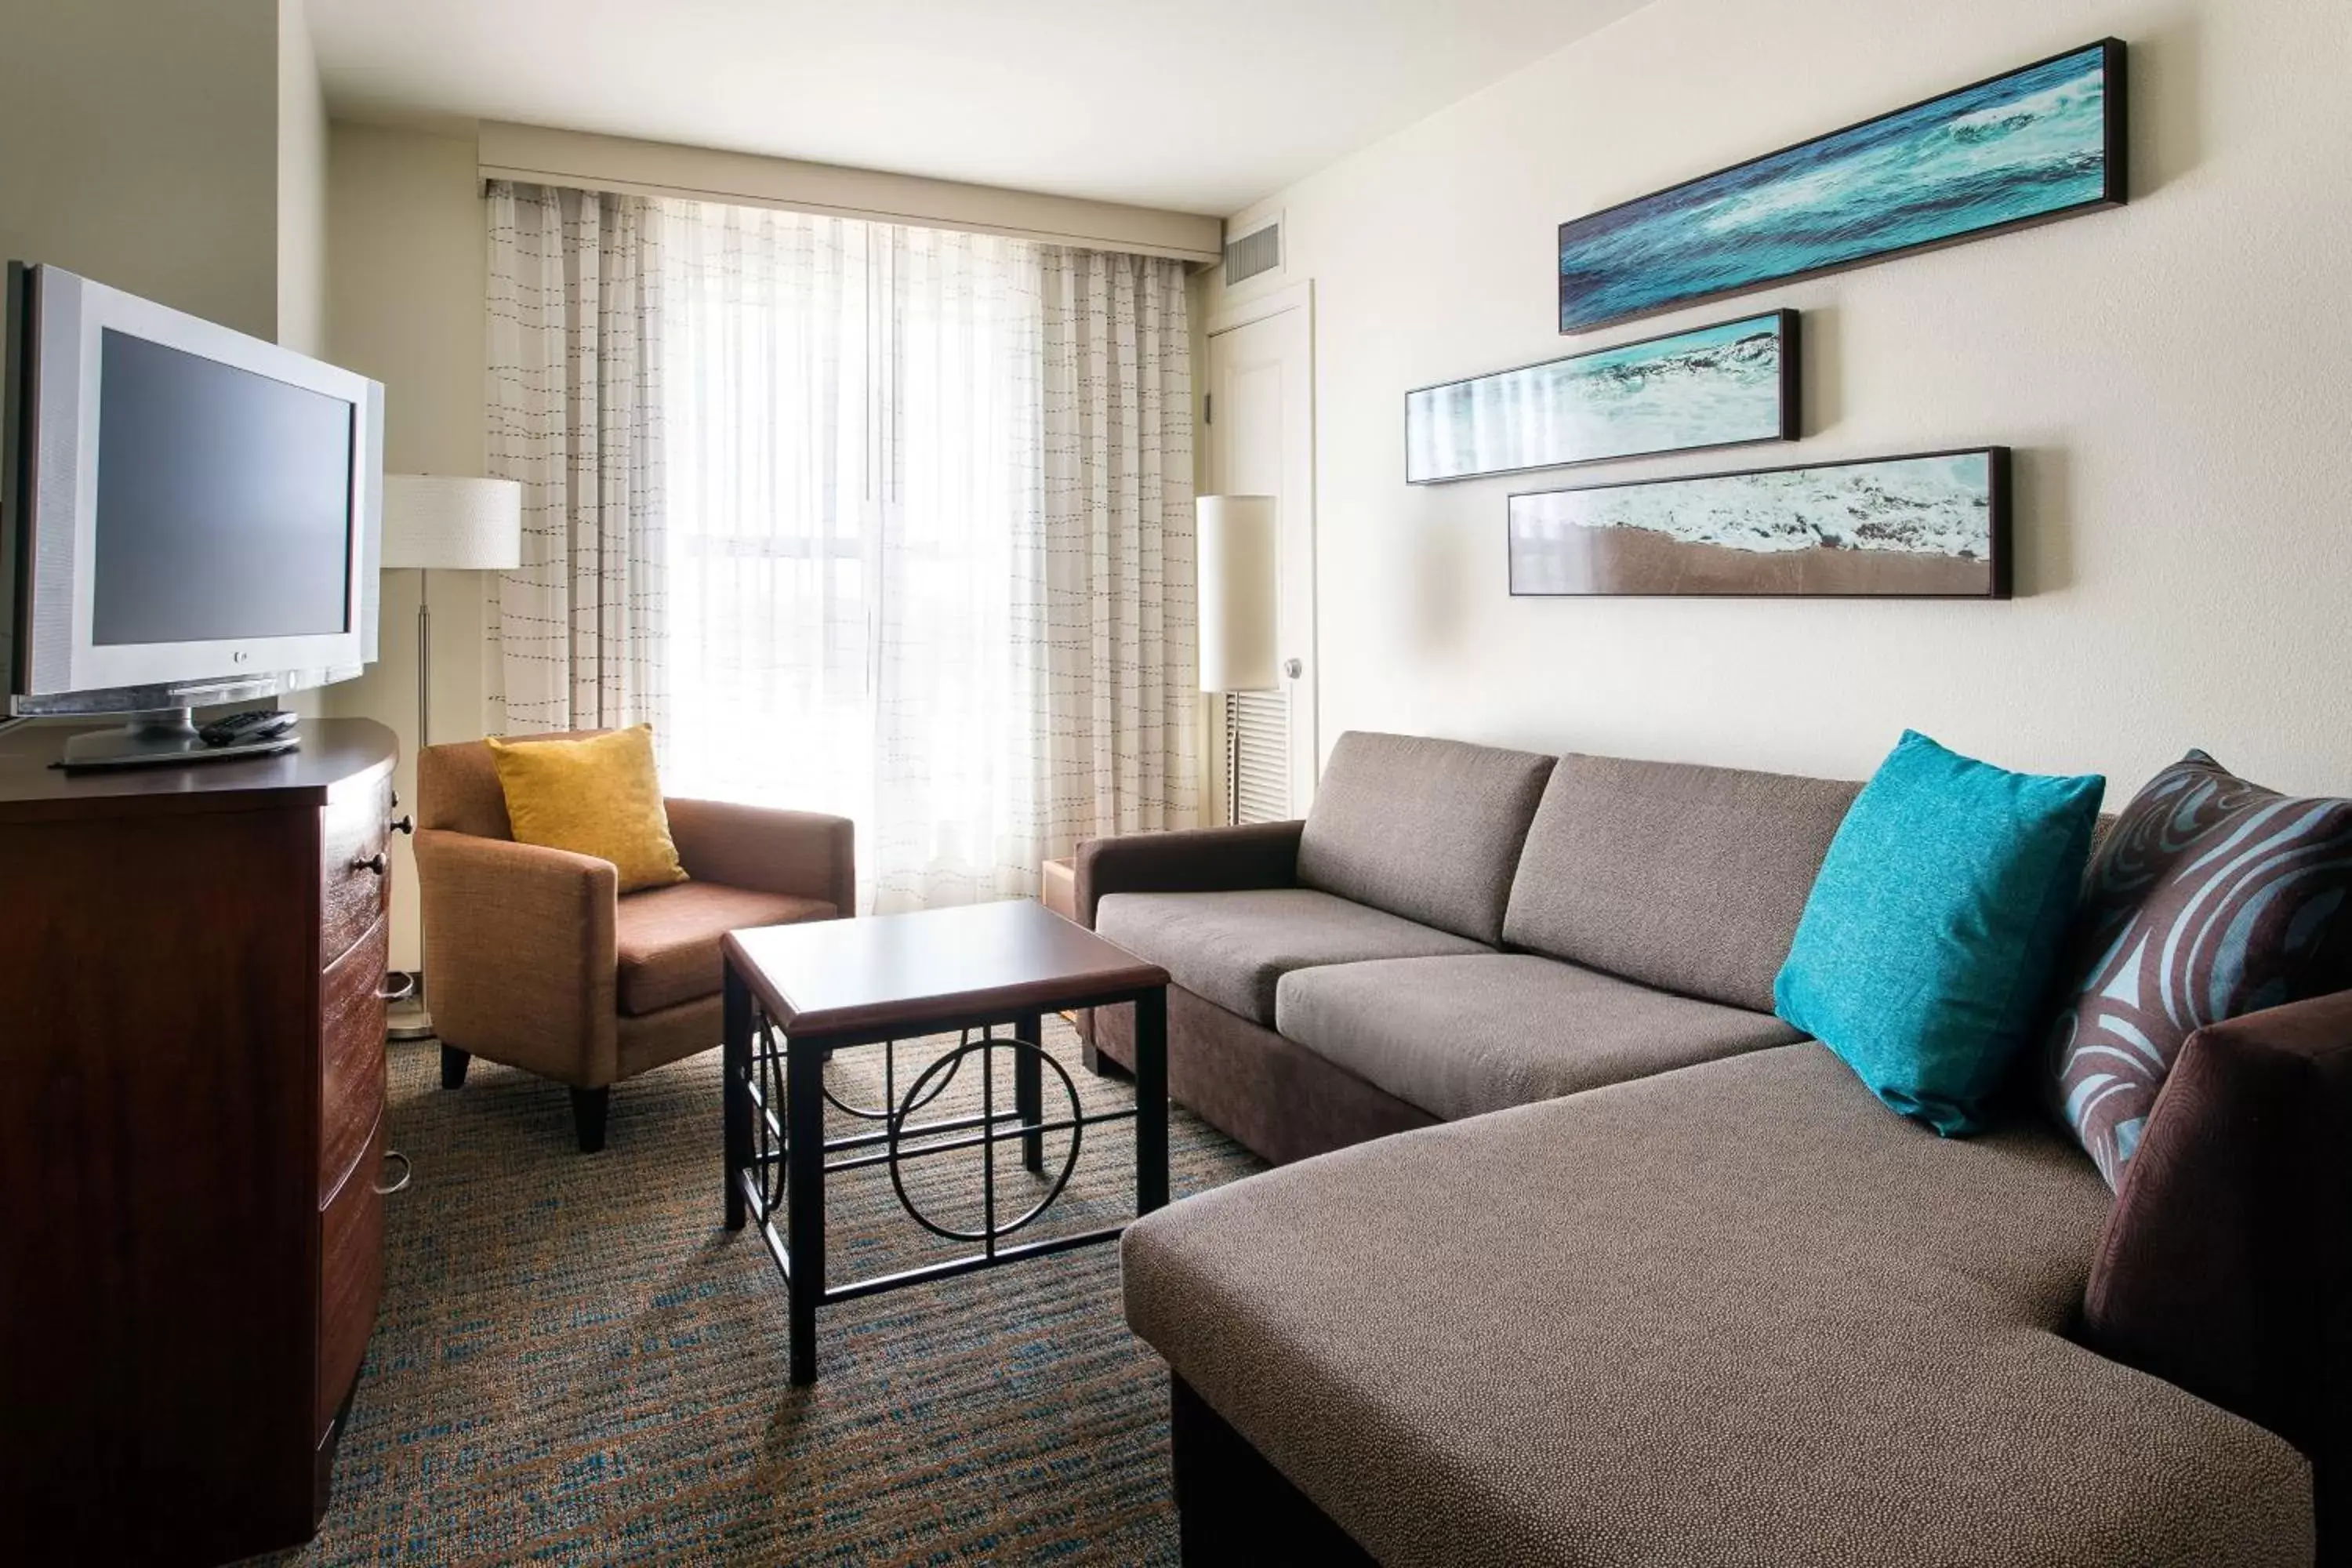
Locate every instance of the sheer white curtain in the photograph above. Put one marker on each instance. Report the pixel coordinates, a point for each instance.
(851, 417)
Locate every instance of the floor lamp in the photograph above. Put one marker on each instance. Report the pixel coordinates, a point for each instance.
(433, 523)
(1236, 586)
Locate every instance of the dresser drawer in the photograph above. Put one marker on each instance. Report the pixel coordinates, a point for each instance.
(354, 895)
(350, 1278)
(350, 1053)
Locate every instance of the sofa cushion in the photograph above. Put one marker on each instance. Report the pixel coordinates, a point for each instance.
(1232, 948)
(2210, 897)
(599, 796)
(1688, 878)
(668, 938)
(1427, 829)
(1735, 1314)
(1458, 1036)
(1926, 948)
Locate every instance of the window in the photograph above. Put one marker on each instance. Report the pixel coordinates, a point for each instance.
(851, 431)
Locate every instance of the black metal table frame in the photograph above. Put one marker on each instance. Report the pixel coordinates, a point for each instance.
(758, 1144)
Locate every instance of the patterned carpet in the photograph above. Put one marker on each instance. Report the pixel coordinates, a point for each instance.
(576, 1364)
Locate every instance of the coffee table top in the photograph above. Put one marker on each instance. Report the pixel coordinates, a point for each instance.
(899, 971)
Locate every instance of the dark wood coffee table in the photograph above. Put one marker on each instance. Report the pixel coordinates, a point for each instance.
(795, 995)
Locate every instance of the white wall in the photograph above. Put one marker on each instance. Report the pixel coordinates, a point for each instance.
(405, 304)
(2171, 375)
(142, 148)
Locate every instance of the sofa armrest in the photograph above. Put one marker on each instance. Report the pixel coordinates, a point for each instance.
(802, 853)
(520, 954)
(2226, 1264)
(1187, 860)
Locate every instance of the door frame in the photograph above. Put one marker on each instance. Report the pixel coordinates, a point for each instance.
(1257, 308)
(1298, 296)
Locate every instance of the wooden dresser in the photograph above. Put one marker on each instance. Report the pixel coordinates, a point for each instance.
(192, 1143)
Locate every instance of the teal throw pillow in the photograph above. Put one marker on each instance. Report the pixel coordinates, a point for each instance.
(1926, 948)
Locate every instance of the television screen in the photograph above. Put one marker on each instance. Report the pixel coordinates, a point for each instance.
(223, 501)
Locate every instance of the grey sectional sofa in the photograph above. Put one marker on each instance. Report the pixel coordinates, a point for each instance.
(1456, 929)
(1648, 1279)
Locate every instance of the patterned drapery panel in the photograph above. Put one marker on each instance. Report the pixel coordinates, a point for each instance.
(1110, 608)
(888, 522)
(575, 635)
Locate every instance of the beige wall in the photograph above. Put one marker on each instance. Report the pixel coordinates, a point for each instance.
(405, 304)
(177, 152)
(301, 186)
(2170, 374)
(142, 148)
(537, 155)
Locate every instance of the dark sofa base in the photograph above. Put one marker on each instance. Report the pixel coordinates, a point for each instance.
(1234, 1507)
(1276, 1097)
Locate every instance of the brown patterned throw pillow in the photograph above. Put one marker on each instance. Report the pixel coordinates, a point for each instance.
(2210, 897)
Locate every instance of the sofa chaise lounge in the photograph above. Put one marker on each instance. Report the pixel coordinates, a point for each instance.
(1647, 1279)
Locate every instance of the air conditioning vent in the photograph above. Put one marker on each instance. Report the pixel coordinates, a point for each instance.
(1258, 251)
(1258, 738)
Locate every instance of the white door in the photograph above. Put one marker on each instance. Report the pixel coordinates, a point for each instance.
(1260, 423)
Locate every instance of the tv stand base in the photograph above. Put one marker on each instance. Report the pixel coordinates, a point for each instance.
(161, 738)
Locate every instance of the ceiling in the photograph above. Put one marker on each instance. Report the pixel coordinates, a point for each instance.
(1201, 107)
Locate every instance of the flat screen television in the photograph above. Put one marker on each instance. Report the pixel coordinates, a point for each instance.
(187, 515)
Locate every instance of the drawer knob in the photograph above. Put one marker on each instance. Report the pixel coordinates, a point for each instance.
(402, 825)
(385, 1186)
(396, 987)
(375, 863)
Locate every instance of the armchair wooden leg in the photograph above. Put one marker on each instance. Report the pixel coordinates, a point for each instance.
(453, 1063)
(588, 1109)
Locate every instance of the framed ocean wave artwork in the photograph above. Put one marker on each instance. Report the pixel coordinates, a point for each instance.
(1726, 384)
(1927, 525)
(2036, 145)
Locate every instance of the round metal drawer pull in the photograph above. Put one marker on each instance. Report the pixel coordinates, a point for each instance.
(396, 987)
(407, 1170)
(402, 825)
(375, 863)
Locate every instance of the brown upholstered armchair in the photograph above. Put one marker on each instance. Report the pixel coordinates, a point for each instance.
(534, 959)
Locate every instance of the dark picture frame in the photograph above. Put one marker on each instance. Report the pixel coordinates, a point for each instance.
(1639, 282)
(1642, 416)
(1632, 559)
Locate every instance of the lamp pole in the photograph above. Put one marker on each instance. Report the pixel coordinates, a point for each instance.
(439, 522)
(409, 1018)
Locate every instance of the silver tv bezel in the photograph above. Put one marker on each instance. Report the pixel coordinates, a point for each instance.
(62, 669)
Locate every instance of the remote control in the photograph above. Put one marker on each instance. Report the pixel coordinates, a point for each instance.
(259, 724)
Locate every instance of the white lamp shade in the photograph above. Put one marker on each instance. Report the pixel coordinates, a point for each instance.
(1237, 585)
(452, 524)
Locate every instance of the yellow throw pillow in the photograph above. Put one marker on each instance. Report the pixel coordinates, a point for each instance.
(598, 796)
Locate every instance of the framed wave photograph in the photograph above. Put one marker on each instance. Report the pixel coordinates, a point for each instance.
(2038, 144)
(1927, 525)
(1726, 384)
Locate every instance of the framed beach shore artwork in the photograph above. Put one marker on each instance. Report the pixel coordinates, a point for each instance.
(2041, 143)
(1722, 385)
(1929, 525)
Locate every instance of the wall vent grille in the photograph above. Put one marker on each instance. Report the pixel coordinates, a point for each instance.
(1256, 252)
